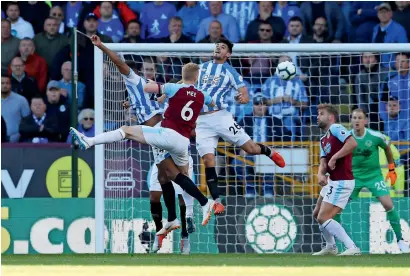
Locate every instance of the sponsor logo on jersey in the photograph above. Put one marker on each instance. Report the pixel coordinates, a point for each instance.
(327, 148)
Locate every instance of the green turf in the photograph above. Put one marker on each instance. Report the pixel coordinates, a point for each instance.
(210, 260)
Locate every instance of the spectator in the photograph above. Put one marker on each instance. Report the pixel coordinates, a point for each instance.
(91, 27)
(58, 108)
(66, 85)
(133, 33)
(296, 36)
(363, 16)
(261, 127)
(13, 108)
(39, 127)
(57, 13)
(155, 17)
(402, 15)
(35, 65)
(34, 12)
(120, 10)
(287, 100)
(21, 83)
(399, 85)
(50, 42)
(320, 31)
(388, 31)
(85, 124)
(286, 11)
(265, 14)
(260, 67)
(72, 11)
(367, 87)
(9, 44)
(20, 28)
(175, 31)
(397, 125)
(229, 24)
(109, 23)
(243, 11)
(214, 33)
(4, 137)
(192, 14)
(310, 11)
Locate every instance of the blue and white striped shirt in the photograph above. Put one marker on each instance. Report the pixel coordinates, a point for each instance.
(218, 80)
(275, 87)
(144, 107)
(243, 11)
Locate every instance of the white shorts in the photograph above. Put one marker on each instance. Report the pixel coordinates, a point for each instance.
(338, 192)
(154, 185)
(171, 142)
(210, 127)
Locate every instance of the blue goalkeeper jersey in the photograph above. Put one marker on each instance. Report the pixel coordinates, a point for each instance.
(141, 102)
(218, 80)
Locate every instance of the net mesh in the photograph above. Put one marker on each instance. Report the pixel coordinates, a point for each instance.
(268, 209)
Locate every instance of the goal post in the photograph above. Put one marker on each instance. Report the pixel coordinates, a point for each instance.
(117, 214)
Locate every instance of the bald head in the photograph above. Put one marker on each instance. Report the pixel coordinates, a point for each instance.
(66, 71)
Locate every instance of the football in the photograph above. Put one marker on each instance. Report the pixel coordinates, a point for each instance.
(286, 70)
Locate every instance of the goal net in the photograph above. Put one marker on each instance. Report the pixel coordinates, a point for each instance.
(268, 209)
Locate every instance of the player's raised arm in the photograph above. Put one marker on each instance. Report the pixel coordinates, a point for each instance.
(121, 65)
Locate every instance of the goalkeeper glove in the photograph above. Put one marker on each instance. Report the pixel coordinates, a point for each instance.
(391, 174)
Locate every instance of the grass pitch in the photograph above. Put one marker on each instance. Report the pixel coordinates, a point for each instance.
(201, 265)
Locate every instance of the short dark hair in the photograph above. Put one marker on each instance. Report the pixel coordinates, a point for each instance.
(296, 18)
(176, 18)
(330, 109)
(38, 96)
(5, 76)
(227, 42)
(358, 110)
(133, 21)
(50, 17)
(12, 4)
(404, 54)
(173, 80)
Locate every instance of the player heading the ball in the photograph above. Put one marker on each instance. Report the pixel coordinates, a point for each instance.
(185, 103)
(219, 79)
(336, 148)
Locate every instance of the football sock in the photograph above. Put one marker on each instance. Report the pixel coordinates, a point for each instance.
(335, 229)
(212, 181)
(394, 220)
(168, 192)
(188, 186)
(182, 210)
(107, 137)
(329, 239)
(265, 150)
(189, 204)
(156, 213)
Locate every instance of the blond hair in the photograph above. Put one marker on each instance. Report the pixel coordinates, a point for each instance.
(330, 109)
(190, 71)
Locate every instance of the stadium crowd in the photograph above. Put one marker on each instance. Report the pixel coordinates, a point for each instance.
(37, 70)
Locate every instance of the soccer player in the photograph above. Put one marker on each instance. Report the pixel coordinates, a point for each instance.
(149, 113)
(367, 172)
(185, 104)
(218, 78)
(336, 148)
